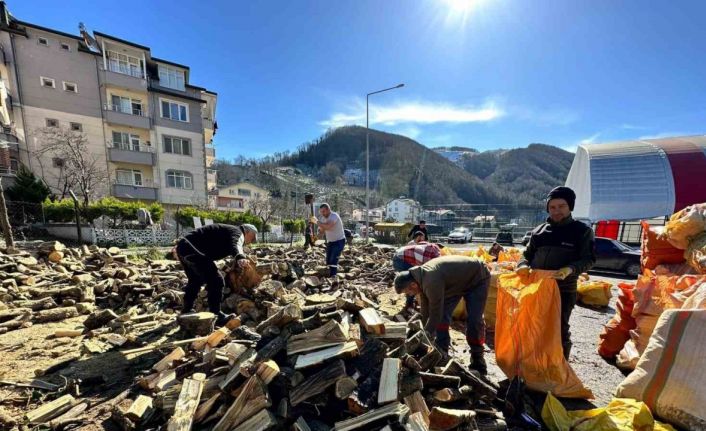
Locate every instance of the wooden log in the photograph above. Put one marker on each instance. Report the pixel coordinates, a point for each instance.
(136, 351)
(253, 397)
(61, 333)
(50, 246)
(55, 256)
(99, 319)
(300, 425)
(164, 380)
(389, 381)
(371, 356)
(69, 417)
(430, 359)
(50, 410)
(186, 405)
(267, 371)
(410, 383)
(197, 324)
(318, 357)
(212, 340)
(82, 278)
(329, 334)
(345, 387)
(393, 331)
(440, 380)
(449, 395)
(205, 408)
(482, 388)
(284, 315)
(239, 363)
(140, 408)
(442, 419)
(317, 383)
(416, 422)
(396, 412)
(418, 405)
(271, 349)
(166, 362)
(371, 321)
(55, 314)
(262, 421)
(37, 304)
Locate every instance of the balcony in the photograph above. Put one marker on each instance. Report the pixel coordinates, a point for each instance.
(144, 192)
(131, 117)
(128, 153)
(210, 150)
(127, 79)
(7, 134)
(207, 123)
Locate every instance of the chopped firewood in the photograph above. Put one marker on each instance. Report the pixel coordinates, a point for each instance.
(164, 380)
(418, 405)
(430, 359)
(301, 425)
(318, 383)
(100, 318)
(432, 380)
(315, 358)
(239, 363)
(60, 333)
(167, 361)
(50, 410)
(416, 422)
(253, 397)
(284, 315)
(389, 379)
(205, 408)
(393, 331)
(410, 384)
(186, 405)
(82, 278)
(197, 324)
(345, 387)
(140, 408)
(395, 411)
(70, 417)
(371, 321)
(262, 421)
(449, 395)
(330, 334)
(212, 340)
(267, 371)
(442, 419)
(453, 368)
(55, 314)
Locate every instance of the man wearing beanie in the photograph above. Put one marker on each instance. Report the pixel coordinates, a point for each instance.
(563, 245)
(441, 283)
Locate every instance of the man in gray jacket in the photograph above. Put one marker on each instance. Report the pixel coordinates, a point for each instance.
(442, 283)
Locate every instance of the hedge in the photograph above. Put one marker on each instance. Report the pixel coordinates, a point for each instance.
(185, 217)
(63, 210)
(294, 225)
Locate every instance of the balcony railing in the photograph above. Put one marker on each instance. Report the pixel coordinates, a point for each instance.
(126, 70)
(124, 110)
(8, 134)
(131, 147)
(6, 170)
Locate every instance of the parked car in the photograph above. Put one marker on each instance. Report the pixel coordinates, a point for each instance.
(525, 239)
(504, 237)
(460, 235)
(613, 255)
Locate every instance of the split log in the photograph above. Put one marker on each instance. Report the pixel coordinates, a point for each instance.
(264, 420)
(197, 324)
(239, 363)
(440, 380)
(50, 410)
(389, 380)
(482, 388)
(345, 387)
(50, 246)
(71, 416)
(38, 304)
(267, 371)
(99, 318)
(167, 361)
(212, 340)
(186, 405)
(371, 321)
(55, 256)
(318, 383)
(55, 314)
(82, 278)
(371, 356)
(449, 395)
(205, 408)
(329, 334)
(300, 425)
(395, 411)
(271, 349)
(410, 384)
(140, 408)
(416, 422)
(393, 331)
(443, 419)
(284, 315)
(315, 358)
(417, 405)
(430, 359)
(253, 397)
(60, 333)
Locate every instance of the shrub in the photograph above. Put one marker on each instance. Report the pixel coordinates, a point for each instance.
(185, 217)
(117, 210)
(294, 225)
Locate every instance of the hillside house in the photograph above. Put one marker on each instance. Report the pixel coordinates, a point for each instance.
(235, 197)
(403, 210)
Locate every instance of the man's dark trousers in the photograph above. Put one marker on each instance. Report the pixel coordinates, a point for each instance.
(333, 252)
(568, 302)
(475, 325)
(200, 269)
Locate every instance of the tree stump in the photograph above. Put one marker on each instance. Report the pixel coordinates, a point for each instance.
(197, 324)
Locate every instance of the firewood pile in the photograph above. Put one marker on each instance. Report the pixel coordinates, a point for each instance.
(302, 354)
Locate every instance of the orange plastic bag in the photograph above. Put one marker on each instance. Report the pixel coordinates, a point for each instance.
(528, 335)
(617, 331)
(657, 251)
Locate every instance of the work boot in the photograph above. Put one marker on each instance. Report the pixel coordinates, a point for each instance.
(478, 363)
(223, 318)
(188, 307)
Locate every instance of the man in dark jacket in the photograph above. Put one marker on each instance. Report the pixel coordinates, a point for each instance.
(563, 245)
(199, 249)
(441, 283)
(421, 227)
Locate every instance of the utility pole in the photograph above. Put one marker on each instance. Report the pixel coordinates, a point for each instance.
(5, 221)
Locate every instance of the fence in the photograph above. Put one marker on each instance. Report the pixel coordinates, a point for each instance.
(132, 237)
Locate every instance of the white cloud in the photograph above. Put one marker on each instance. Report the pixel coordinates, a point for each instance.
(410, 131)
(627, 126)
(418, 112)
(545, 116)
(591, 139)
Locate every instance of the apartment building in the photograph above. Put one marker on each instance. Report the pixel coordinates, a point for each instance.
(236, 197)
(142, 119)
(403, 210)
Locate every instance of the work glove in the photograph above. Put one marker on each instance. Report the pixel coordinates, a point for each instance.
(523, 271)
(243, 263)
(563, 273)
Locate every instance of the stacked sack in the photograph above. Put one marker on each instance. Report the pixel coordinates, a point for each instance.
(617, 331)
(686, 230)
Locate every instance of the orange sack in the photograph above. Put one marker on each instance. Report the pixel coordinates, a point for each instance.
(528, 335)
(617, 331)
(657, 251)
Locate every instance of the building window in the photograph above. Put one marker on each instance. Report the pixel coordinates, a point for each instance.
(43, 41)
(47, 82)
(244, 192)
(126, 141)
(57, 162)
(174, 111)
(70, 86)
(65, 46)
(76, 127)
(231, 192)
(50, 122)
(177, 145)
(125, 64)
(171, 78)
(179, 180)
(126, 105)
(128, 177)
(14, 165)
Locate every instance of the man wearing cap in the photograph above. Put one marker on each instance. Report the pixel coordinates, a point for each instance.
(563, 245)
(441, 283)
(330, 222)
(199, 249)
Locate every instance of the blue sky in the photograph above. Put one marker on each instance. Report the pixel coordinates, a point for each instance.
(484, 73)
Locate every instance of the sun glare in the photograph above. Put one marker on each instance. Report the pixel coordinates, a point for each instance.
(458, 11)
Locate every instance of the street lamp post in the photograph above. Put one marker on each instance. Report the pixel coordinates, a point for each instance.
(367, 158)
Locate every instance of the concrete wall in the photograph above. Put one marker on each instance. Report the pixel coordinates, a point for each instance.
(193, 113)
(195, 164)
(68, 231)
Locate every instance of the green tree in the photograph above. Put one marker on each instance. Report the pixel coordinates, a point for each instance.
(28, 188)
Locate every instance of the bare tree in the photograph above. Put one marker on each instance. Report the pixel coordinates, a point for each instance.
(266, 208)
(79, 168)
